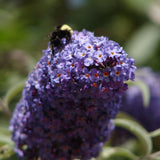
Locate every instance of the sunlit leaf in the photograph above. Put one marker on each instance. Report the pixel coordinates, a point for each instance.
(143, 43)
(12, 157)
(6, 151)
(5, 139)
(6, 17)
(154, 156)
(139, 5)
(5, 136)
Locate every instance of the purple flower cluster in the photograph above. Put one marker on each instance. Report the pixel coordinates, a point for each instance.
(70, 99)
(148, 116)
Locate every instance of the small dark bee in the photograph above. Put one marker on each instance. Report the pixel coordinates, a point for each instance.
(62, 31)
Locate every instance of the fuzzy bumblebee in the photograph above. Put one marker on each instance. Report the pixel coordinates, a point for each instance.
(61, 32)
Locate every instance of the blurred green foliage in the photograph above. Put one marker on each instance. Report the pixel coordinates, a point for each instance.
(26, 24)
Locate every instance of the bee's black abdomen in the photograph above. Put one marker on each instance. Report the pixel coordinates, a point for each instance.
(56, 42)
(54, 34)
(61, 34)
(58, 35)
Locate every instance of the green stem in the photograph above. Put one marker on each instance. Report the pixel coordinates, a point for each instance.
(109, 152)
(139, 132)
(155, 133)
(144, 90)
(153, 156)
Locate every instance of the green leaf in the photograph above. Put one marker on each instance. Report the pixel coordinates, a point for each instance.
(6, 18)
(139, 132)
(5, 138)
(13, 92)
(143, 43)
(154, 156)
(4, 108)
(144, 88)
(109, 152)
(5, 135)
(11, 157)
(6, 151)
(142, 6)
(4, 130)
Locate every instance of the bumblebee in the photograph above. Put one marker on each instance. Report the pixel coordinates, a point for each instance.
(62, 31)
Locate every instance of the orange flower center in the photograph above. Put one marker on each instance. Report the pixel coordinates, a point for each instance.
(59, 74)
(96, 75)
(87, 75)
(106, 74)
(105, 90)
(95, 84)
(117, 73)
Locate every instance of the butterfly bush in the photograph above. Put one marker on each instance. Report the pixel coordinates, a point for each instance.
(148, 116)
(70, 99)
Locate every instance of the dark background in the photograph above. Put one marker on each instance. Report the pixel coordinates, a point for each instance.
(26, 24)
